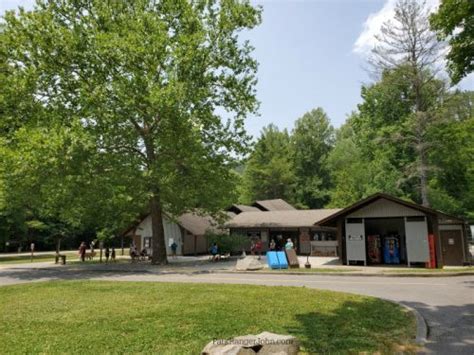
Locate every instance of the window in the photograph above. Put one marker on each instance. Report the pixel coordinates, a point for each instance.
(253, 234)
(323, 236)
(147, 242)
(416, 219)
(354, 220)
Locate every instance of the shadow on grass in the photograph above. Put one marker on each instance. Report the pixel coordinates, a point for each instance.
(357, 326)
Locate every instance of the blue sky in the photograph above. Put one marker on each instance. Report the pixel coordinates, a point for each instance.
(311, 53)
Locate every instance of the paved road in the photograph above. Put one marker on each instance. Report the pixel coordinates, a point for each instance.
(447, 303)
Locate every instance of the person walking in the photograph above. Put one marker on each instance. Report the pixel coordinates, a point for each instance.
(112, 255)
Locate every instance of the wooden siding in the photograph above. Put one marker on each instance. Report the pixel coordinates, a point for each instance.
(383, 208)
(172, 231)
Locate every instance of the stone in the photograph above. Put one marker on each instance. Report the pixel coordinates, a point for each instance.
(264, 343)
(278, 344)
(249, 263)
(226, 349)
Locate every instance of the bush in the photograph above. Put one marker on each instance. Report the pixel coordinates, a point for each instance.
(233, 244)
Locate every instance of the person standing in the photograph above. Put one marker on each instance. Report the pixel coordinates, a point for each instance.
(252, 247)
(174, 247)
(258, 248)
(215, 252)
(82, 251)
(272, 245)
(112, 255)
(107, 255)
(289, 244)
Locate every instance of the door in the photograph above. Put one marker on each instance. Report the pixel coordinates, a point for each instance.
(189, 244)
(451, 244)
(355, 240)
(137, 240)
(416, 231)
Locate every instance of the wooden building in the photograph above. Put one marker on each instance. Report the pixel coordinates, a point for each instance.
(382, 224)
(188, 231)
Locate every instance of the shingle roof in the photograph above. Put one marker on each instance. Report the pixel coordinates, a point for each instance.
(274, 205)
(245, 208)
(195, 224)
(288, 218)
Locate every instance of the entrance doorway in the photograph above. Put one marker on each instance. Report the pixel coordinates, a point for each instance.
(451, 244)
(385, 241)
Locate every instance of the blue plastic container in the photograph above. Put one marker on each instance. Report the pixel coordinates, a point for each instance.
(282, 259)
(272, 260)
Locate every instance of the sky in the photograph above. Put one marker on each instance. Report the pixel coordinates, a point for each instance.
(311, 53)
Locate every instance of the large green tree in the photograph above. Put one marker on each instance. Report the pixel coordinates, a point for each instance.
(269, 170)
(406, 44)
(454, 21)
(149, 80)
(312, 139)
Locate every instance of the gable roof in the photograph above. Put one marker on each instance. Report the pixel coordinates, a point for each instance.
(274, 205)
(380, 195)
(196, 224)
(236, 208)
(287, 218)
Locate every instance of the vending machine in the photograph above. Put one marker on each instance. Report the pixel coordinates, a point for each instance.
(391, 252)
(374, 249)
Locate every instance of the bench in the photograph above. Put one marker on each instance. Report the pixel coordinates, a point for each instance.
(62, 257)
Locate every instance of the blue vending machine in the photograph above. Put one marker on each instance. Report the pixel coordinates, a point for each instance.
(391, 250)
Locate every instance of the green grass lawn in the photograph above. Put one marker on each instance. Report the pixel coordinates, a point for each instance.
(167, 318)
(24, 259)
(72, 257)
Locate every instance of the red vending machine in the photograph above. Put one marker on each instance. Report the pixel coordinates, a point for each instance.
(374, 249)
(431, 244)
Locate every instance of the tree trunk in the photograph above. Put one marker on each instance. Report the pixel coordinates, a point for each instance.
(424, 179)
(157, 230)
(158, 233)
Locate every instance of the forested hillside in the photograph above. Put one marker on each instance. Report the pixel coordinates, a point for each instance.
(411, 136)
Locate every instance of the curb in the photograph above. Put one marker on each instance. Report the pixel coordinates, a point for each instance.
(349, 273)
(421, 325)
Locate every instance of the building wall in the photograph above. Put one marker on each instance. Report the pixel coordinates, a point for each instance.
(172, 232)
(384, 208)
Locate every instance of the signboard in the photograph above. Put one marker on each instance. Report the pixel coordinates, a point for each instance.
(355, 237)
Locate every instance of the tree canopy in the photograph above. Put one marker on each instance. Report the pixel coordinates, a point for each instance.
(454, 21)
(146, 80)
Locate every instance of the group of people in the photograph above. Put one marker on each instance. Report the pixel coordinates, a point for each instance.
(256, 246)
(134, 254)
(109, 252)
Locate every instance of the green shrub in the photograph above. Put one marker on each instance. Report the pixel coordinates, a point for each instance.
(233, 244)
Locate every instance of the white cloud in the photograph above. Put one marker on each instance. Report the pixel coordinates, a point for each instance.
(366, 40)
